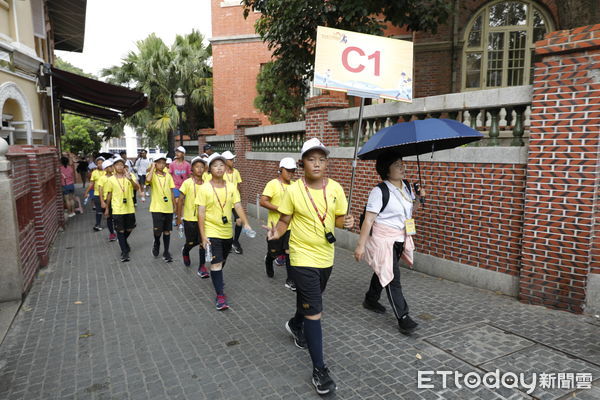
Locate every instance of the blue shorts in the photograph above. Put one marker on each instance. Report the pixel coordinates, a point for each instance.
(176, 192)
(69, 189)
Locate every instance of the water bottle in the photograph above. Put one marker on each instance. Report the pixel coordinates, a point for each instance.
(208, 257)
(249, 232)
(85, 201)
(181, 230)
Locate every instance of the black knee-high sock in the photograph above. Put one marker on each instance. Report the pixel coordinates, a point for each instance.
(127, 233)
(166, 242)
(298, 320)
(157, 241)
(202, 254)
(238, 231)
(110, 224)
(217, 280)
(99, 216)
(122, 241)
(314, 340)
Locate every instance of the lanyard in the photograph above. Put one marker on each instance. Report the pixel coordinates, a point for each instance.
(322, 219)
(195, 184)
(406, 209)
(119, 183)
(217, 196)
(163, 183)
(283, 189)
(232, 176)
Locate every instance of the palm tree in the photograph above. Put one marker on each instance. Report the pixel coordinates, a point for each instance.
(157, 70)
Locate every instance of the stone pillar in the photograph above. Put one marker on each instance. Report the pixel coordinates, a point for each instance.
(11, 276)
(562, 202)
(202, 134)
(317, 120)
(242, 145)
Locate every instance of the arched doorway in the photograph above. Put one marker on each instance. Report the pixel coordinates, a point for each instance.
(15, 113)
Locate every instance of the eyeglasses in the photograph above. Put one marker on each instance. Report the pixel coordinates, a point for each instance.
(291, 171)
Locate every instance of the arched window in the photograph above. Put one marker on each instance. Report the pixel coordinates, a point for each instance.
(498, 44)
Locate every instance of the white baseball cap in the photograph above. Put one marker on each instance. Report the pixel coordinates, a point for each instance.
(160, 158)
(196, 159)
(312, 144)
(181, 149)
(215, 156)
(228, 155)
(169, 160)
(100, 158)
(287, 163)
(107, 163)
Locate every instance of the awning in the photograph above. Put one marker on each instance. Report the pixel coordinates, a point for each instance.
(68, 22)
(95, 99)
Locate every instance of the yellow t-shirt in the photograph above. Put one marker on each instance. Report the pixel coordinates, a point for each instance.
(233, 177)
(99, 185)
(121, 189)
(96, 174)
(206, 176)
(162, 186)
(275, 189)
(190, 189)
(213, 220)
(308, 245)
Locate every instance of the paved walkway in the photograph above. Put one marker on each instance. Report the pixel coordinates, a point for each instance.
(95, 328)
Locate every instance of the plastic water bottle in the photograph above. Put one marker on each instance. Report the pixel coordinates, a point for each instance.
(180, 230)
(208, 257)
(85, 201)
(249, 232)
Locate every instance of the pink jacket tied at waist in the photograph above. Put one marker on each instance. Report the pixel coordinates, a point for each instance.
(379, 251)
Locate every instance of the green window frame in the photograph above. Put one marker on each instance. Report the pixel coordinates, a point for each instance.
(499, 44)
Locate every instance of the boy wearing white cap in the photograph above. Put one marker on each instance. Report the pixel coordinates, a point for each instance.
(232, 175)
(270, 199)
(107, 167)
(92, 190)
(119, 188)
(161, 206)
(187, 211)
(215, 201)
(314, 205)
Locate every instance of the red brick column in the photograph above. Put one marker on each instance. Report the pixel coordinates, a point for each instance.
(561, 197)
(202, 134)
(241, 146)
(317, 122)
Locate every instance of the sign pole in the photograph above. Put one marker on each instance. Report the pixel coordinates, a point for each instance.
(356, 142)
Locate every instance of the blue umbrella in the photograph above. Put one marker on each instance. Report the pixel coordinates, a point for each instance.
(418, 137)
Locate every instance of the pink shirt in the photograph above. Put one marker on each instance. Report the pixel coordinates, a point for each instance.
(180, 172)
(67, 175)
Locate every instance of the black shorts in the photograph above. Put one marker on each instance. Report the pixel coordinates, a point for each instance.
(192, 234)
(162, 222)
(124, 222)
(220, 249)
(279, 246)
(310, 285)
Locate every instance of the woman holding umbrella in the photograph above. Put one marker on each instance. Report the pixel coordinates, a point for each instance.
(386, 236)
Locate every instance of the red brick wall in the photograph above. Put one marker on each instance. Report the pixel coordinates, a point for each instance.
(38, 198)
(562, 177)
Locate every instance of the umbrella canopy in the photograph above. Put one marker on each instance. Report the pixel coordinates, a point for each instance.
(418, 137)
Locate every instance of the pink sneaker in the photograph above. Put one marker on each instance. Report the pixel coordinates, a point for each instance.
(203, 272)
(112, 237)
(222, 303)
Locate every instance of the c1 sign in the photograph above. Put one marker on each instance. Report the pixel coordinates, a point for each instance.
(363, 65)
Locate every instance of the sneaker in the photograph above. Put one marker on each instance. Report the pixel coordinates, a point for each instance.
(167, 257)
(406, 324)
(155, 251)
(124, 257)
(280, 261)
(322, 381)
(375, 307)
(237, 248)
(97, 228)
(269, 268)
(71, 215)
(222, 303)
(112, 237)
(290, 285)
(297, 334)
(203, 272)
(186, 258)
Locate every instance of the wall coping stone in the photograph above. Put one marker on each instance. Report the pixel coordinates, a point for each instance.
(220, 138)
(297, 126)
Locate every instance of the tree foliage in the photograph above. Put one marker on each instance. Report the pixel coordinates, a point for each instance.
(277, 101)
(81, 134)
(158, 70)
(290, 27)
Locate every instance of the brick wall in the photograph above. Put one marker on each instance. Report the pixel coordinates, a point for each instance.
(559, 249)
(38, 198)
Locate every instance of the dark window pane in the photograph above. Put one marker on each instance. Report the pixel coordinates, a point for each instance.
(473, 70)
(508, 13)
(495, 56)
(475, 34)
(517, 43)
